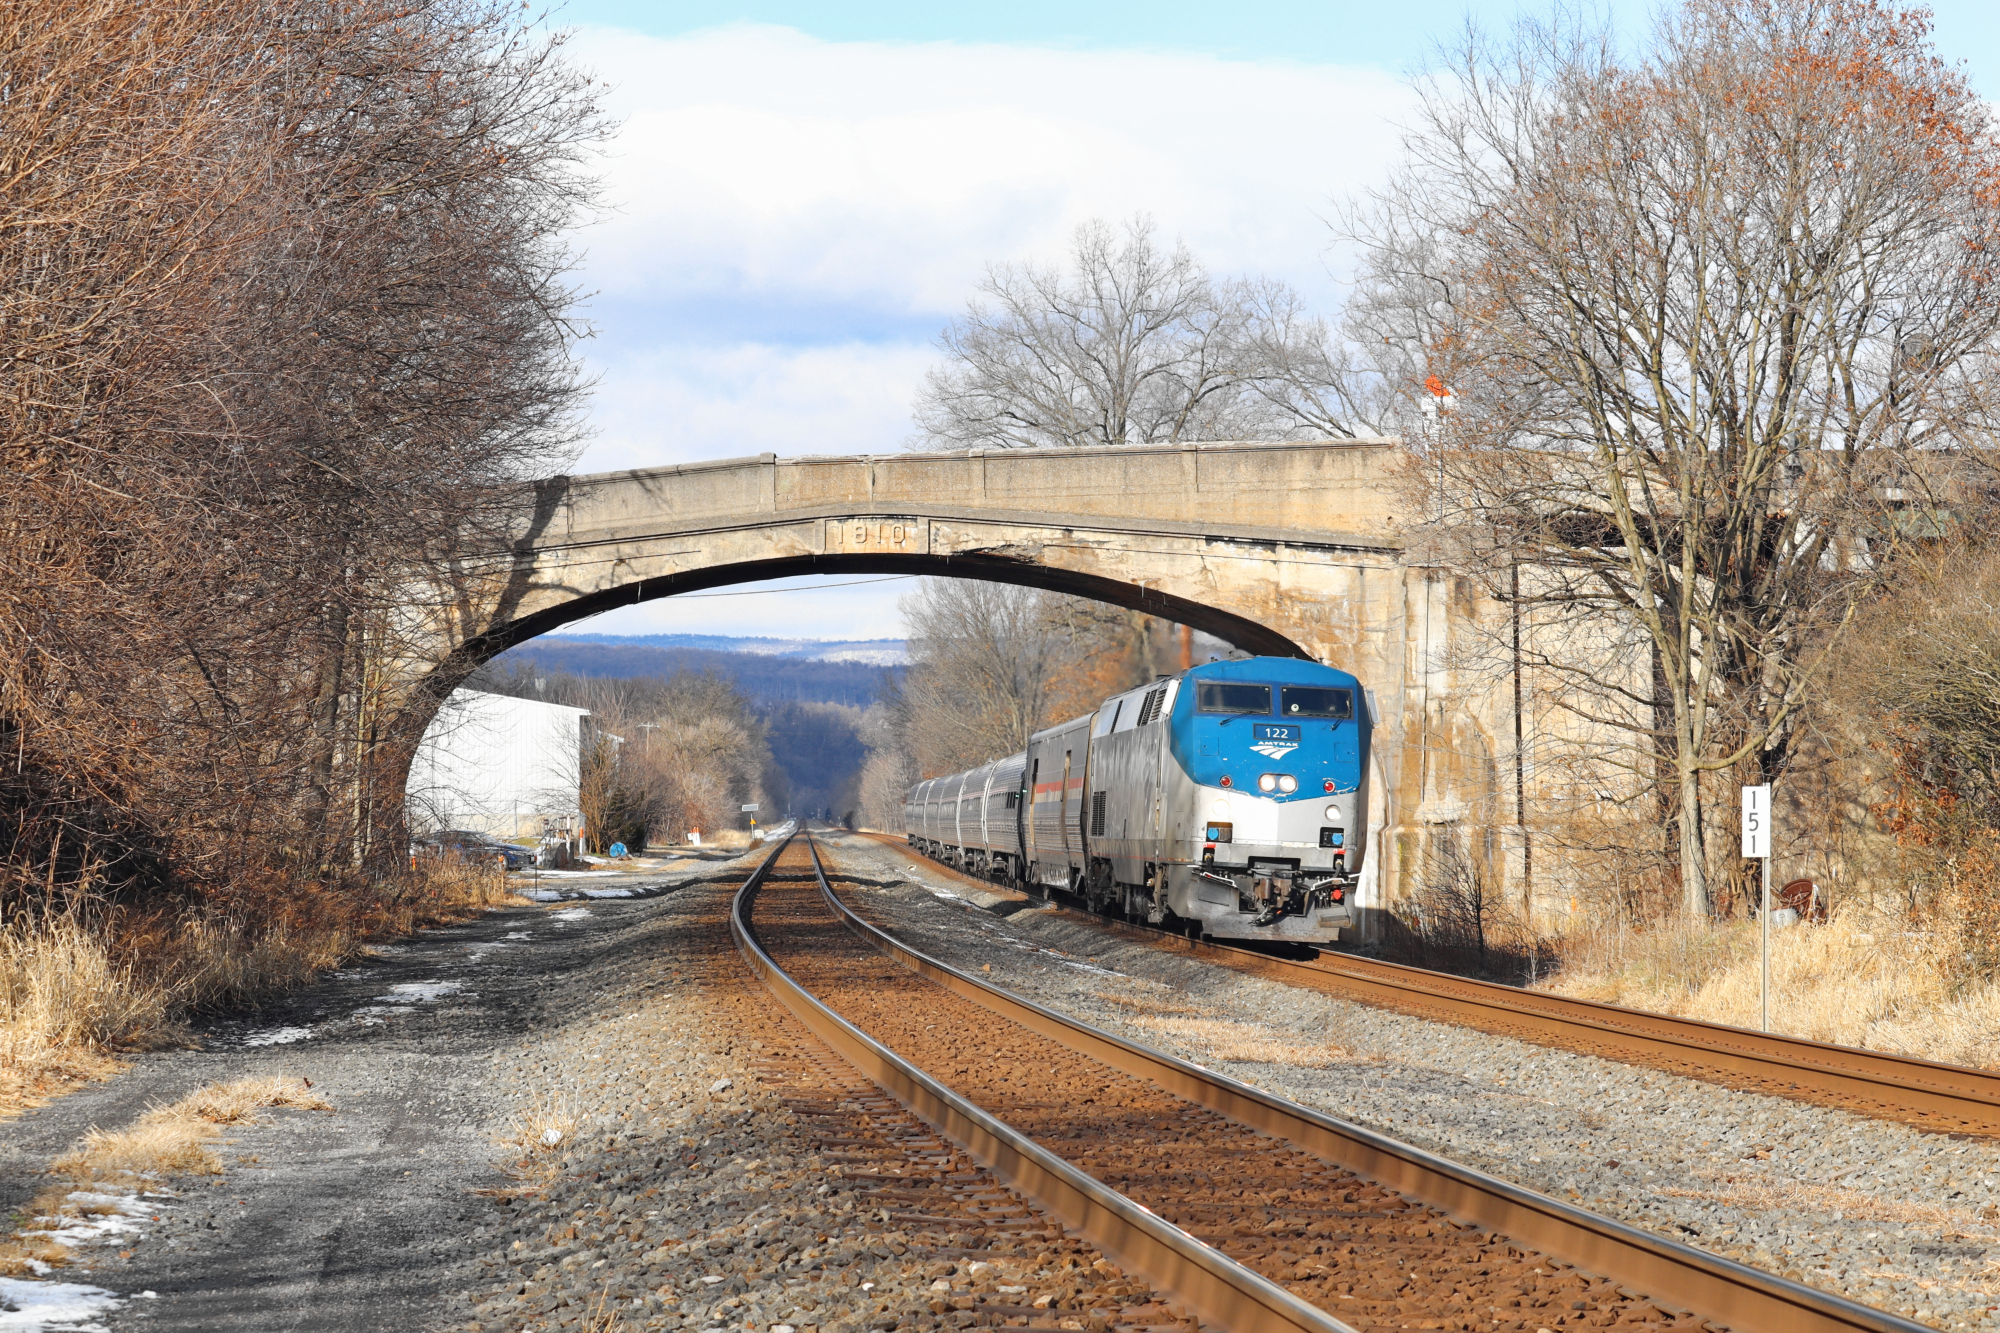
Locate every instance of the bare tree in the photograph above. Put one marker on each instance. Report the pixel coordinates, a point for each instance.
(889, 771)
(991, 664)
(690, 751)
(286, 315)
(1133, 344)
(1692, 318)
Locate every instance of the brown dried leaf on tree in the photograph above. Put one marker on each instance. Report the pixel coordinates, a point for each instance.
(284, 322)
(1691, 331)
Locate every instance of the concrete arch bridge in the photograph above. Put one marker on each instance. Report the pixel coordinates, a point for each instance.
(1279, 548)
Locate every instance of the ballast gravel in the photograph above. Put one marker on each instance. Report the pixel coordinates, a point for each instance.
(1884, 1214)
(682, 1155)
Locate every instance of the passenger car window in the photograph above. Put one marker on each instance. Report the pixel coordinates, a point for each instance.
(1315, 701)
(1228, 696)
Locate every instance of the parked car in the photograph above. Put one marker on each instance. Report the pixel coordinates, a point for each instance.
(469, 846)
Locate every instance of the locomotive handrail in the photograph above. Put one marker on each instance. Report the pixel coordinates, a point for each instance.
(1748, 1300)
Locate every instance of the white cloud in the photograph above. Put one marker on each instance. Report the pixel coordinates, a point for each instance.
(758, 159)
(675, 403)
(795, 218)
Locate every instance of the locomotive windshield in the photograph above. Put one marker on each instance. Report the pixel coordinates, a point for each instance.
(1228, 696)
(1315, 701)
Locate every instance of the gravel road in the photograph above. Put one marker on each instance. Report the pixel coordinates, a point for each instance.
(579, 1115)
(1881, 1213)
(359, 1218)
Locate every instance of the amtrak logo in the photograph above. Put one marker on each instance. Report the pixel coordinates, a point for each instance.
(1274, 740)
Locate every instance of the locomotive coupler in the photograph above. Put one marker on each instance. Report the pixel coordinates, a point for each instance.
(1272, 892)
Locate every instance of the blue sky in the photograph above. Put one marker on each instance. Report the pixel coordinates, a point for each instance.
(802, 195)
(1389, 36)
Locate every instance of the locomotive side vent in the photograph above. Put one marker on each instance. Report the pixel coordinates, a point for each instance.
(1150, 709)
(1097, 814)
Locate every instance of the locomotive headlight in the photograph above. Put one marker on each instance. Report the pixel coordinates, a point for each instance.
(1333, 812)
(1287, 783)
(1267, 782)
(1220, 807)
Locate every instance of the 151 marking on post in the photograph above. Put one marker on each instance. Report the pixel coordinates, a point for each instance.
(1757, 821)
(1757, 843)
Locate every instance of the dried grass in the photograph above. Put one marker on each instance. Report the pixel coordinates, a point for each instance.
(1853, 1205)
(76, 990)
(603, 1317)
(64, 1006)
(173, 1139)
(1247, 1043)
(539, 1135)
(1152, 1007)
(168, 1140)
(1855, 981)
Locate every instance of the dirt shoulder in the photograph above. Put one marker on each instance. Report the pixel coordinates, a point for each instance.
(364, 1217)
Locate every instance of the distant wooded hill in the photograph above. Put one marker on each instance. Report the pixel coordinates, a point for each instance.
(764, 676)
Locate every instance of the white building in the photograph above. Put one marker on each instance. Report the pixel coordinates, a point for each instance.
(495, 764)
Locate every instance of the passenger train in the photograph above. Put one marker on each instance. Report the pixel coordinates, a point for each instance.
(1231, 798)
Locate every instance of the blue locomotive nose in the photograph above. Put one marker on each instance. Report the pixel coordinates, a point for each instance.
(1229, 798)
(1287, 730)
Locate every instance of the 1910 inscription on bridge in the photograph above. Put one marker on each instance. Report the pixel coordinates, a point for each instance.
(858, 536)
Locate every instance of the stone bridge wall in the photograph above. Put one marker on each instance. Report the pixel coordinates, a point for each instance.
(1278, 548)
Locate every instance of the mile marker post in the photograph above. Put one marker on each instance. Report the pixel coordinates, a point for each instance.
(1757, 843)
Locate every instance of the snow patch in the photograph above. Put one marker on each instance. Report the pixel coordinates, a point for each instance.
(277, 1036)
(30, 1307)
(520, 935)
(609, 893)
(91, 1228)
(419, 992)
(573, 914)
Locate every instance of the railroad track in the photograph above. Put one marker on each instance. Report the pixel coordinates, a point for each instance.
(1950, 1099)
(1256, 1213)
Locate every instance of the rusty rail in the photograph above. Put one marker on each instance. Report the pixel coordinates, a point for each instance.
(1926, 1093)
(1221, 1291)
(1746, 1299)
(1966, 1098)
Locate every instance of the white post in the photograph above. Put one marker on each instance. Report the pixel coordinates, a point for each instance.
(1757, 843)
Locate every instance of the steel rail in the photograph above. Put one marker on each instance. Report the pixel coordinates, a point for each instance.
(1221, 1291)
(1936, 1095)
(1968, 1097)
(1746, 1299)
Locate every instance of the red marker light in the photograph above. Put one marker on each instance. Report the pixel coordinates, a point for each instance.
(1329, 784)
(1225, 782)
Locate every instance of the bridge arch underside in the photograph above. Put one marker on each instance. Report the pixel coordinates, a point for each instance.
(1238, 630)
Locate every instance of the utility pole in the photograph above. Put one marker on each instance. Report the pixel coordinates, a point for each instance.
(649, 728)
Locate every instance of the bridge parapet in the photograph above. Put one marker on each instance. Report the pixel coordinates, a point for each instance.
(1330, 491)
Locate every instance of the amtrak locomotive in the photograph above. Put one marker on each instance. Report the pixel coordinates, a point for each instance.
(1231, 798)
